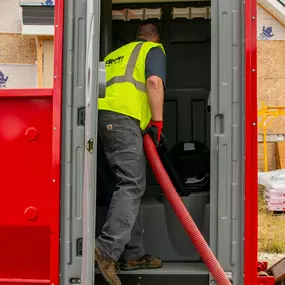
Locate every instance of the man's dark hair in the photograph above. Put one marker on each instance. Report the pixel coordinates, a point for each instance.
(147, 30)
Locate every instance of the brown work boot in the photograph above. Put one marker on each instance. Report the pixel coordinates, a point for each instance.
(145, 262)
(108, 268)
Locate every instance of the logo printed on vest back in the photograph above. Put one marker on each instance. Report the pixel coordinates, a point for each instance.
(114, 60)
(126, 82)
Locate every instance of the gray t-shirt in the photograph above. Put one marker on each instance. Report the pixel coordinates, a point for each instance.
(156, 64)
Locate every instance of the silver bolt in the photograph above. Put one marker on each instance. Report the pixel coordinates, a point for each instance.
(53, 180)
(54, 128)
(254, 124)
(56, 26)
(55, 77)
(253, 18)
(253, 70)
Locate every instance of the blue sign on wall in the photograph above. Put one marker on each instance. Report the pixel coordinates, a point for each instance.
(266, 33)
(3, 80)
(44, 3)
(48, 3)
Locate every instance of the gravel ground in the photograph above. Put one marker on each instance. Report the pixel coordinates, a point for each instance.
(271, 258)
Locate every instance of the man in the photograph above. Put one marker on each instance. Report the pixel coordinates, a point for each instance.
(134, 103)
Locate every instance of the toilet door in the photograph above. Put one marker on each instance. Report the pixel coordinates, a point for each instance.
(90, 158)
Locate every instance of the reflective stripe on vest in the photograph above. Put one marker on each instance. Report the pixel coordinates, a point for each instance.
(129, 73)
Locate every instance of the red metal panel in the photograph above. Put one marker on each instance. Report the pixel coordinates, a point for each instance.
(27, 199)
(23, 281)
(26, 93)
(251, 194)
(30, 177)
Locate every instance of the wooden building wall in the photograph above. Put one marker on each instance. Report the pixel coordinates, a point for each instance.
(270, 76)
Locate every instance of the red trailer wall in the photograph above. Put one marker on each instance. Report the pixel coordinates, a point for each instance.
(30, 127)
(27, 219)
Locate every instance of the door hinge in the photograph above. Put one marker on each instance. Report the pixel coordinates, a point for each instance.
(89, 145)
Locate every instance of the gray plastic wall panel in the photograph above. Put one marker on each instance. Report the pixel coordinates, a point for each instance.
(226, 233)
(72, 137)
(242, 113)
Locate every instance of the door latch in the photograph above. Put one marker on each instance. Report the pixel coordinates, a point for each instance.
(89, 145)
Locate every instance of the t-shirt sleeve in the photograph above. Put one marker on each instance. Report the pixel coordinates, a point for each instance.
(156, 64)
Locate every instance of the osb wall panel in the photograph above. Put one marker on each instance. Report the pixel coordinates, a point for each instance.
(17, 49)
(48, 55)
(272, 157)
(271, 79)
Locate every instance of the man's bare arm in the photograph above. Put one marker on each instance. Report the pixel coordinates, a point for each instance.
(155, 92)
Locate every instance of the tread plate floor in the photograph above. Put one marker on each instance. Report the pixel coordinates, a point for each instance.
(170, 274)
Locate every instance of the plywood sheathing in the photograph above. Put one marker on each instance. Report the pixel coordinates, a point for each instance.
(40, 61)
(272, 157)
(280, 151)
(271, 79)
(48, 55)
(17, 49)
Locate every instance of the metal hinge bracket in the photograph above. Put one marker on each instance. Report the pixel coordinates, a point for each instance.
(90, 145)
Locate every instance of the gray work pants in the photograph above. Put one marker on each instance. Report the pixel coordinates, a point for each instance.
(121, 138)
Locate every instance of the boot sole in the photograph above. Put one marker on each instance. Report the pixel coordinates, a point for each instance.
(102, 271)
(140, 267)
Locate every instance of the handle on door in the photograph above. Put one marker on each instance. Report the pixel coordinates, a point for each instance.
(219, 126)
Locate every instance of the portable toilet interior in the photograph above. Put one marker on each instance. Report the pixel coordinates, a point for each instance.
(194, 61)
(185, 31)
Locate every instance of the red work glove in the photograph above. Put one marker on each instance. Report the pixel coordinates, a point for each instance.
(154, 129)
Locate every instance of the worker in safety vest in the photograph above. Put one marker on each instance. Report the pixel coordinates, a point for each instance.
(136, 75)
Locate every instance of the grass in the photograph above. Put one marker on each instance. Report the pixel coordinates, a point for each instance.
(271, 228)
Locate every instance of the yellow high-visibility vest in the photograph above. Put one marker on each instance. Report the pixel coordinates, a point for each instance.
(126, 82)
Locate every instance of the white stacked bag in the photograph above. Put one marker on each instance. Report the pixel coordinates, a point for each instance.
(274, 183)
